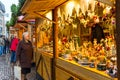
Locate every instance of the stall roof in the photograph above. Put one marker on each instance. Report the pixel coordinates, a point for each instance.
(43, 6)
(37, 8)
(40, 6)
(20, 25)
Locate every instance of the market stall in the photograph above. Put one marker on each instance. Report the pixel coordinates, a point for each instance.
(20, 29)
(64, 47)
(75, 44)
(44, 53)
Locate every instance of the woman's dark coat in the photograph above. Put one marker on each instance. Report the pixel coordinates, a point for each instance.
(25, 53)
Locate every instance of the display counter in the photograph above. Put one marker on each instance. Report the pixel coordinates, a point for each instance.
(81, 72)
(66, 69)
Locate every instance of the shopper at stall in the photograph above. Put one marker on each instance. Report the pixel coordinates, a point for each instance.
(97, 31)
(25, 55)
(13, 48)
(7, 45)
(4, 47)
(1, 45)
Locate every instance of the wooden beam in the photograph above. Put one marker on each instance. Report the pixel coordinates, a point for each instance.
(25, 6)
(41, 16)
(27, 22)
(37, 1)
(55, 43)
(36, 35)
(22, 26)
(118, 35)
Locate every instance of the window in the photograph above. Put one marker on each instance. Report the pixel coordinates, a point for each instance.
(0, 29)
(0, 15)
(0, 22)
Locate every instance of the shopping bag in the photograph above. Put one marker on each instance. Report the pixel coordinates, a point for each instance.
(17, 72)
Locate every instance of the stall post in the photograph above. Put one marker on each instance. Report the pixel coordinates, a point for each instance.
(36, 25)
(118, 35)
(30, 31)
(55, 41)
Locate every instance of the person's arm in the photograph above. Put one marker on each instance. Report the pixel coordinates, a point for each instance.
(18, 51)
(32, 50)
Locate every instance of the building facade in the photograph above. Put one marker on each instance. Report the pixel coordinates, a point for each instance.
(2, 20)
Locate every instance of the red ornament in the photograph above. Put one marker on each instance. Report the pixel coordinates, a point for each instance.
(64, 40)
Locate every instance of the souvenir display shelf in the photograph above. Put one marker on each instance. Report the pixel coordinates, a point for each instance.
(72, 52)
(74, 39)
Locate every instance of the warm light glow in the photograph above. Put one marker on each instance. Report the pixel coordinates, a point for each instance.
(108, 9)
(77, 7)
(87, 1)
(69, 7)
(49, 15)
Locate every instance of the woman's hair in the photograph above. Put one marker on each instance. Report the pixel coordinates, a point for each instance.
(25, 34)
(15, 35)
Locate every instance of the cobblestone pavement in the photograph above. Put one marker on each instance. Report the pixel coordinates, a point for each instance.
(32, 75)
(6, 69)
(6, 72)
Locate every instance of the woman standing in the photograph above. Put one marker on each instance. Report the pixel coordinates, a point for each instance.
(25, 55)
(1, 45)
(13, 47)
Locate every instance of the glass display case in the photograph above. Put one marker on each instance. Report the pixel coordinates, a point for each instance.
(76, 20)
(44, 34)
(75, 46)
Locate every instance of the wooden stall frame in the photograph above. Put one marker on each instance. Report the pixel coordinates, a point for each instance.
(55, 39)
(118, 35)
(55, 42)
